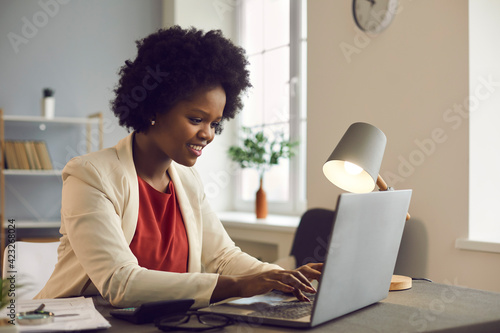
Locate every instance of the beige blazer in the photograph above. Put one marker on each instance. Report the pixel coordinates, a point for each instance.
(100, 205)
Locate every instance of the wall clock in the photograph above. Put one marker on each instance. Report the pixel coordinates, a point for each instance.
(373, 16)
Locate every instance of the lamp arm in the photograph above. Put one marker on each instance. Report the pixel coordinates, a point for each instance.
(382, 185)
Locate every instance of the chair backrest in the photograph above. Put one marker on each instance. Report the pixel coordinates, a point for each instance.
(32, 264)
(312, 236)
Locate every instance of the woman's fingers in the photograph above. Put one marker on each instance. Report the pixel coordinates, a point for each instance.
(316, 266)
(311, 271)
(303, 276)
(300, 296)
(291, 281)
(296, 281)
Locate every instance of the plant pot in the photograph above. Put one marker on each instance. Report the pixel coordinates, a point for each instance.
(261, 202)
(6, 327)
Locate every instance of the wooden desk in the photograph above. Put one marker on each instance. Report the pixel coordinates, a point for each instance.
(268, 239)
(427, 307)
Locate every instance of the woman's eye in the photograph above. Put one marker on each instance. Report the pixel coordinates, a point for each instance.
(195, 120)
(215, 124)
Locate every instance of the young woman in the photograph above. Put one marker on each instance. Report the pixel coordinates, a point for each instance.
(136, 224)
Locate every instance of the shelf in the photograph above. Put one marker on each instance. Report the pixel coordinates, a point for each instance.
(57, 120)
(19, 172)
(477, 245)
(34, 224)
(21, 127)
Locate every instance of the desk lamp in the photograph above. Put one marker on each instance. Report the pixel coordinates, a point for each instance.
(354, 167)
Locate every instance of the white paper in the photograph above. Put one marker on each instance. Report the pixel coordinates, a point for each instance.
(87, 317)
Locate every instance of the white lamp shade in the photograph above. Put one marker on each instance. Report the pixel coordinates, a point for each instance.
(355, 163)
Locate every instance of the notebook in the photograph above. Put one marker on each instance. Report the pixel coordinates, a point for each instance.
(362, 251)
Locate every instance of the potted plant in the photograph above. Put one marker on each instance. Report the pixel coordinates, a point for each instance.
(260, 152)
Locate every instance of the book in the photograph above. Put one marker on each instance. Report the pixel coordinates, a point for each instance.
(10, 155)
(36, 159)
(29, 155)
(43, 155)
(22, 157)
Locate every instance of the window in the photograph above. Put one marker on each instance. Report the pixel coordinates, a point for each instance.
(273, 33)
(484, 137)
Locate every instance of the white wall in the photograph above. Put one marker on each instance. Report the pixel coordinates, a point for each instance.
(407, 81)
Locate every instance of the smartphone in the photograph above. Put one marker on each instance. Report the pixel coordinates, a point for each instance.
(148, 312)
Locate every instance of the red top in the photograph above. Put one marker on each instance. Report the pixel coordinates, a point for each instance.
(160, 241)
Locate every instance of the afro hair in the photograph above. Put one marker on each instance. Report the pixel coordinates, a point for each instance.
(170, 65)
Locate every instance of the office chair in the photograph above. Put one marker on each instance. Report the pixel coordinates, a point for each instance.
(33, 265)
(311, 238)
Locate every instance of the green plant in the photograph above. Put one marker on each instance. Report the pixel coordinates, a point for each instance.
(259, 151)
(5, 292)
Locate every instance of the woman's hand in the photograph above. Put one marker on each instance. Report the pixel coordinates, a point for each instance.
(313, 272)
(295, 281)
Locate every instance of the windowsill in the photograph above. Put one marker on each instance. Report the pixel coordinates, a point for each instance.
(247, 220)
(477, 245)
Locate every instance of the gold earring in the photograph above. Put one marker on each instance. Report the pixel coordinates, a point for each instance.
(153, 122)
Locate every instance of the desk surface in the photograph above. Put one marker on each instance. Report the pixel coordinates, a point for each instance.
(427, 307)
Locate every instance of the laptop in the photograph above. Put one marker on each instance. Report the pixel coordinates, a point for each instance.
(362, 251)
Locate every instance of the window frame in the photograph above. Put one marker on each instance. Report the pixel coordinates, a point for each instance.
(481, 104)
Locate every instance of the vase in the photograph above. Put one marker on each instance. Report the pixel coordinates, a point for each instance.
(261, 202)
(48, 106)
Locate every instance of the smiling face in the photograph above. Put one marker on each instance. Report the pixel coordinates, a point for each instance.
(181, 133)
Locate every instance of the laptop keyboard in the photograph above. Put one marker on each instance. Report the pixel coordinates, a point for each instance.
(285, 310)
